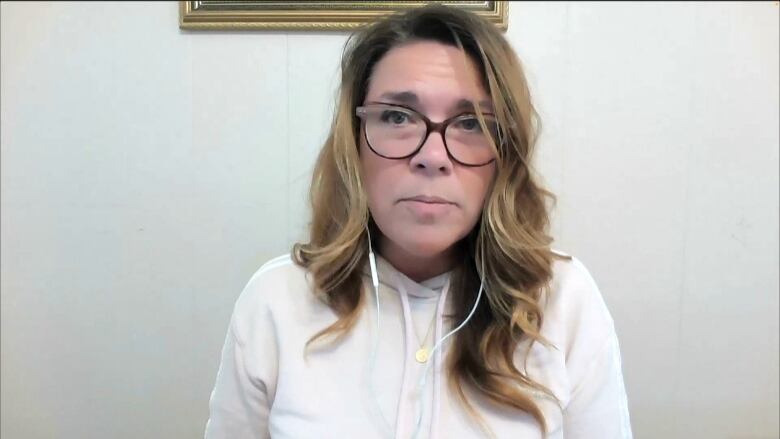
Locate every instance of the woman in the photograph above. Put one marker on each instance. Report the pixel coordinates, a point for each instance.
(428, 302)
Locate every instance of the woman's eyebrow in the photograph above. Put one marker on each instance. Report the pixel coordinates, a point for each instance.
(402, 97)
(411, 99)
(465, 104)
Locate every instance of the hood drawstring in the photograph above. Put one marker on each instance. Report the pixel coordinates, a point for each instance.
(435, 351)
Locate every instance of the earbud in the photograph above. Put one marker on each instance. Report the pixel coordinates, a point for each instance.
(372, 261)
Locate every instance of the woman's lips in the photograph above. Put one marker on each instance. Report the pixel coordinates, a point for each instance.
(428, 199)
(427, 207)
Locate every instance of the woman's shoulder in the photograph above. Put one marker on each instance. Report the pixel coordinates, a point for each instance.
(572, 281)
(575, 308)
(274, 272)
(274, 287)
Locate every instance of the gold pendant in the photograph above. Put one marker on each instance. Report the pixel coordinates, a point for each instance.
(422, 355)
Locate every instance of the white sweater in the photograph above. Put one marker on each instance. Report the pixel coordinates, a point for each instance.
(264, 388)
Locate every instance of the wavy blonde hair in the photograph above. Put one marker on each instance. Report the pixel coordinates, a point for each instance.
(510, 239)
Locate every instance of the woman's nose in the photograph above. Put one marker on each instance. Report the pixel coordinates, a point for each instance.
(432, 156)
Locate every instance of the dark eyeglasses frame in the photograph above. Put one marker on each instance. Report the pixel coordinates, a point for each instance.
(430, 127)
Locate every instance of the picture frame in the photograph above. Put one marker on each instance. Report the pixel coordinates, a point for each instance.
(312, 15)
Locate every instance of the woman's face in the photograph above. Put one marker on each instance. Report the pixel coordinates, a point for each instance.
(425, 203)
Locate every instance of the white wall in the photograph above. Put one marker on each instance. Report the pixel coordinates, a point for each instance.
(147, 172)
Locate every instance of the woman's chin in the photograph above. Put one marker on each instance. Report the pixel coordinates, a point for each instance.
(426, 248)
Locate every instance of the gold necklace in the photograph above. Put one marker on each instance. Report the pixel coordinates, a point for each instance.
(422, 353)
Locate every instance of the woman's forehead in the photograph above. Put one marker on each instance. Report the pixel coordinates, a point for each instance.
(427, 74)
(410, 99)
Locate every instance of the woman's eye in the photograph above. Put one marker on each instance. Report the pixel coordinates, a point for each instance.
(470, 124)
(395, 117)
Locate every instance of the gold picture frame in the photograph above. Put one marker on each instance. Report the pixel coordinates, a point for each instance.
(311, 15)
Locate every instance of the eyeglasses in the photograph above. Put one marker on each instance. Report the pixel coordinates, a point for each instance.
(397, 132)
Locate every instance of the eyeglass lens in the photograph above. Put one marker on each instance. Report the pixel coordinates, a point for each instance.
(396, 132)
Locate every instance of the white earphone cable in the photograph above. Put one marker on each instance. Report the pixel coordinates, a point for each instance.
(423, 378)
(375, 282)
